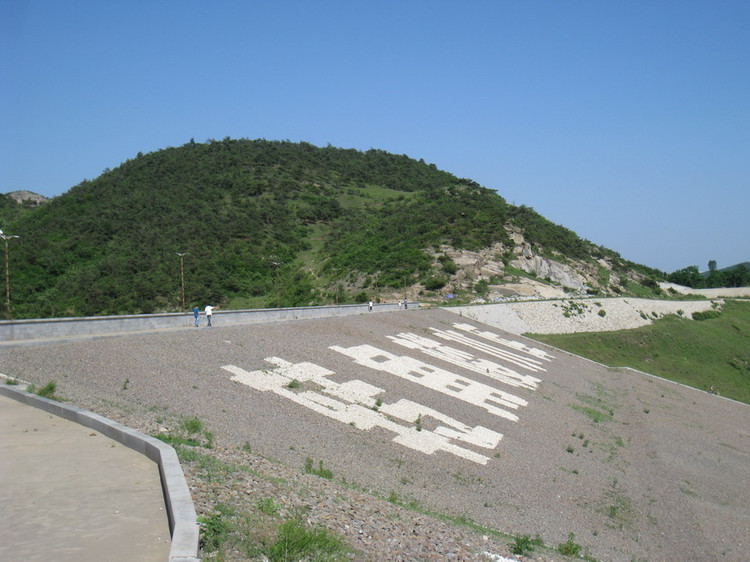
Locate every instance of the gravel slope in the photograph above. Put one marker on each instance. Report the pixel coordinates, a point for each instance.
(579, 315)
(636, 467)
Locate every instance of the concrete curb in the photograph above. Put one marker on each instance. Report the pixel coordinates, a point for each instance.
(183, 523)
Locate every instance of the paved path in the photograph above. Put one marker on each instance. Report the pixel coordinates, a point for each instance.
(69, 493)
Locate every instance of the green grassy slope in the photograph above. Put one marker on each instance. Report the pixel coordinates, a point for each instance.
(713, 352)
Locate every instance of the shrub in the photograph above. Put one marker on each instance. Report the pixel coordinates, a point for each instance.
(435, 282)
(320, 471)
(569, 547)
(524, 545)
(602, 313)
(706, 315)
(482, 287)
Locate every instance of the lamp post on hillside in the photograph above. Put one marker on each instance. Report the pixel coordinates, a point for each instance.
(182, 275)
(276, 265)
(7, 237)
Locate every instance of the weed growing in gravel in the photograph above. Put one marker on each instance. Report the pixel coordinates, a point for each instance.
(569, 547)
(294, 383)
(524, 545)
(419, 422)
(268, 506)
(595, 415)
(47, 391)
(320, 471)
(125, 384)
(175, 440)
(191, 433)
(11, 381)
(215, 528)
(191, 425)
(620, 510)
(212, 469)
(297, 542)
(573, 308)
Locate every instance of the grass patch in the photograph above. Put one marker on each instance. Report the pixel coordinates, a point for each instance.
(215, 528)
(190, 433)
(713, 352)
(47, 391)
(191, 425)
(295, 541)
(592, 413)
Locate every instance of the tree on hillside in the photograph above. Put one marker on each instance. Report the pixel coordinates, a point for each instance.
(688, 277)
(738, 276)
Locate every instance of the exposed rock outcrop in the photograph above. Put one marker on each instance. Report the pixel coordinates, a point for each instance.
(500, 265)
(28, 197)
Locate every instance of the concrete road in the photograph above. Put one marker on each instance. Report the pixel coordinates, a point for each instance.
(69, 493)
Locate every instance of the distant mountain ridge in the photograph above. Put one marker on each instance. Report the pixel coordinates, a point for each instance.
(274, 223)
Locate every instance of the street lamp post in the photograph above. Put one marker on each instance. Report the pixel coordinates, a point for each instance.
(182, 275)
(276, 265)
(7, 237)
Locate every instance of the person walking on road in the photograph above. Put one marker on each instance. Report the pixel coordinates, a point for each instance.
(209, 313)
(197, 315)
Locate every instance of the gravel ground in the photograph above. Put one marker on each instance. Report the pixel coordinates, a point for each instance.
(635, 467)
(579, 315)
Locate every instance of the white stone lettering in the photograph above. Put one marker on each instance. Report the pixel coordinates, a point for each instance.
(466, 360)
(536, 352)
(436, 379)
(527, 363)
(355, 402)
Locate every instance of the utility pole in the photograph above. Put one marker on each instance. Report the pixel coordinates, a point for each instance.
(6, 237)
(276, 264)
(182, 275)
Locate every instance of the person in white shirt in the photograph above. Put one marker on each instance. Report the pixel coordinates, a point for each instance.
(209, 312)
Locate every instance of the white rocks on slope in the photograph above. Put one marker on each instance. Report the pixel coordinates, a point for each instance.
(569, 316)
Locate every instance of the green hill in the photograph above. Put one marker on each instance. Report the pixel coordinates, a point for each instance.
(268, 223)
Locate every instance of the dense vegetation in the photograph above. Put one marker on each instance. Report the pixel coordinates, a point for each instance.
(735, 276)
(262, 223)
(711, 353)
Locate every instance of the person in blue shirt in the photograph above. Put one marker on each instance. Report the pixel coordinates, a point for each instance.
(197, 314)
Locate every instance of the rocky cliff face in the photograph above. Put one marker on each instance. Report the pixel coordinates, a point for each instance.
(523, 270)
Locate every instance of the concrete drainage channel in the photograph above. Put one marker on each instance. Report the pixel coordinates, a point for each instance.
(181, 514)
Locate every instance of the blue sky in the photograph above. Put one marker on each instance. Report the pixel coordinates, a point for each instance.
(625, 121)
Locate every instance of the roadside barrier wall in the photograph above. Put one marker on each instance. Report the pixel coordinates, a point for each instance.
(53, 328)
